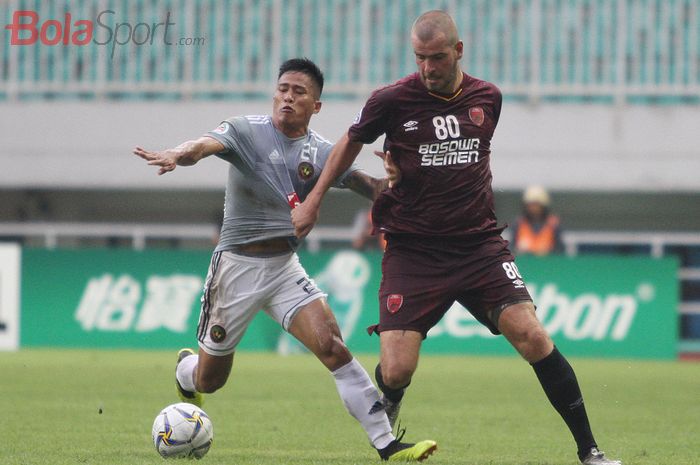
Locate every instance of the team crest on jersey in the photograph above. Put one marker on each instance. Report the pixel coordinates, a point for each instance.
(222, 128)
(394, 302)
(305, 170)
(476, 114)
(217, 333)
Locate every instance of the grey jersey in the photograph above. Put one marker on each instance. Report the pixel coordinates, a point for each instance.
(266, 167)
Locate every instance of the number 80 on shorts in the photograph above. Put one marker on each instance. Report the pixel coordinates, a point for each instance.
(513, 274)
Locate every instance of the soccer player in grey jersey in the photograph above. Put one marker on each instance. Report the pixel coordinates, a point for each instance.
(274, 163)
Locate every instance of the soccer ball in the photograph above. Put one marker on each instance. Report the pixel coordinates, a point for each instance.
(182, 430)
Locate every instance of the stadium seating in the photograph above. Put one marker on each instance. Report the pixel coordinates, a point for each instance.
(638, 51)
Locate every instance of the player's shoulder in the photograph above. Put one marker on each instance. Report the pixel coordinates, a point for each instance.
(318, 138)
(474, 84)
(252, 124)
(397, 88)
(245, 120)
(246, 129)
(257, 119)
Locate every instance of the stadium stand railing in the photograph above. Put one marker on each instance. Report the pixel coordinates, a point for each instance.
(610, 51)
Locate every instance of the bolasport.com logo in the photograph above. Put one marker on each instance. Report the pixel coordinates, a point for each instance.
(28, 28)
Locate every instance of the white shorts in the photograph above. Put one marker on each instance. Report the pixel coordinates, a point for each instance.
(238, 286)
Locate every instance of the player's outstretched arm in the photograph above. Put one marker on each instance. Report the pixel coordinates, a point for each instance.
(306, 214)
(186, 154)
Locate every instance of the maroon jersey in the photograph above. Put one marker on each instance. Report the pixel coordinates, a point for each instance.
(442, 145)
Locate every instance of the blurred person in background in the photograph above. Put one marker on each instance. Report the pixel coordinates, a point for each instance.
(537, 231)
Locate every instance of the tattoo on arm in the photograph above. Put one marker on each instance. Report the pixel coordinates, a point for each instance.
(365, 185)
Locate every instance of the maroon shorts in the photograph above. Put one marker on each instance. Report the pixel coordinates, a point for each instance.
(422, 278)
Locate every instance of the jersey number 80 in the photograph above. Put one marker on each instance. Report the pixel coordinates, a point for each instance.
(446, 126)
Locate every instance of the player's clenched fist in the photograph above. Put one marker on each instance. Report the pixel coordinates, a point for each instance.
(304, 217)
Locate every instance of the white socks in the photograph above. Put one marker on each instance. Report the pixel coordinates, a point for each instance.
(354, 386)
(360, 396)
(185, 372)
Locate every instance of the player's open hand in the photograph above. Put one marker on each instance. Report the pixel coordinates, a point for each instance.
(166, 159)
(393, 172)
(304, 217)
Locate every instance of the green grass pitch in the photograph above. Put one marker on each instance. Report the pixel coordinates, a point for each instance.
(285, 410)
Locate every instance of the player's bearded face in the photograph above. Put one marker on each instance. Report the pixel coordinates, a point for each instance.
(295, 100)
(438, 63)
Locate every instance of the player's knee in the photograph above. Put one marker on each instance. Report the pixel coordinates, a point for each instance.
(534, 343)
(333, 351)
(396, 376)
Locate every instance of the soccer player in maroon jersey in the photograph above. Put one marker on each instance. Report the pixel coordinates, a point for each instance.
(444, 244)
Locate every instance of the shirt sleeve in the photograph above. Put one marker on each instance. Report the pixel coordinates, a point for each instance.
(231, 133)
(497, 103)
(371, 122)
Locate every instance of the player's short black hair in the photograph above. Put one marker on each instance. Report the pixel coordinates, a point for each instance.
(306, 66)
